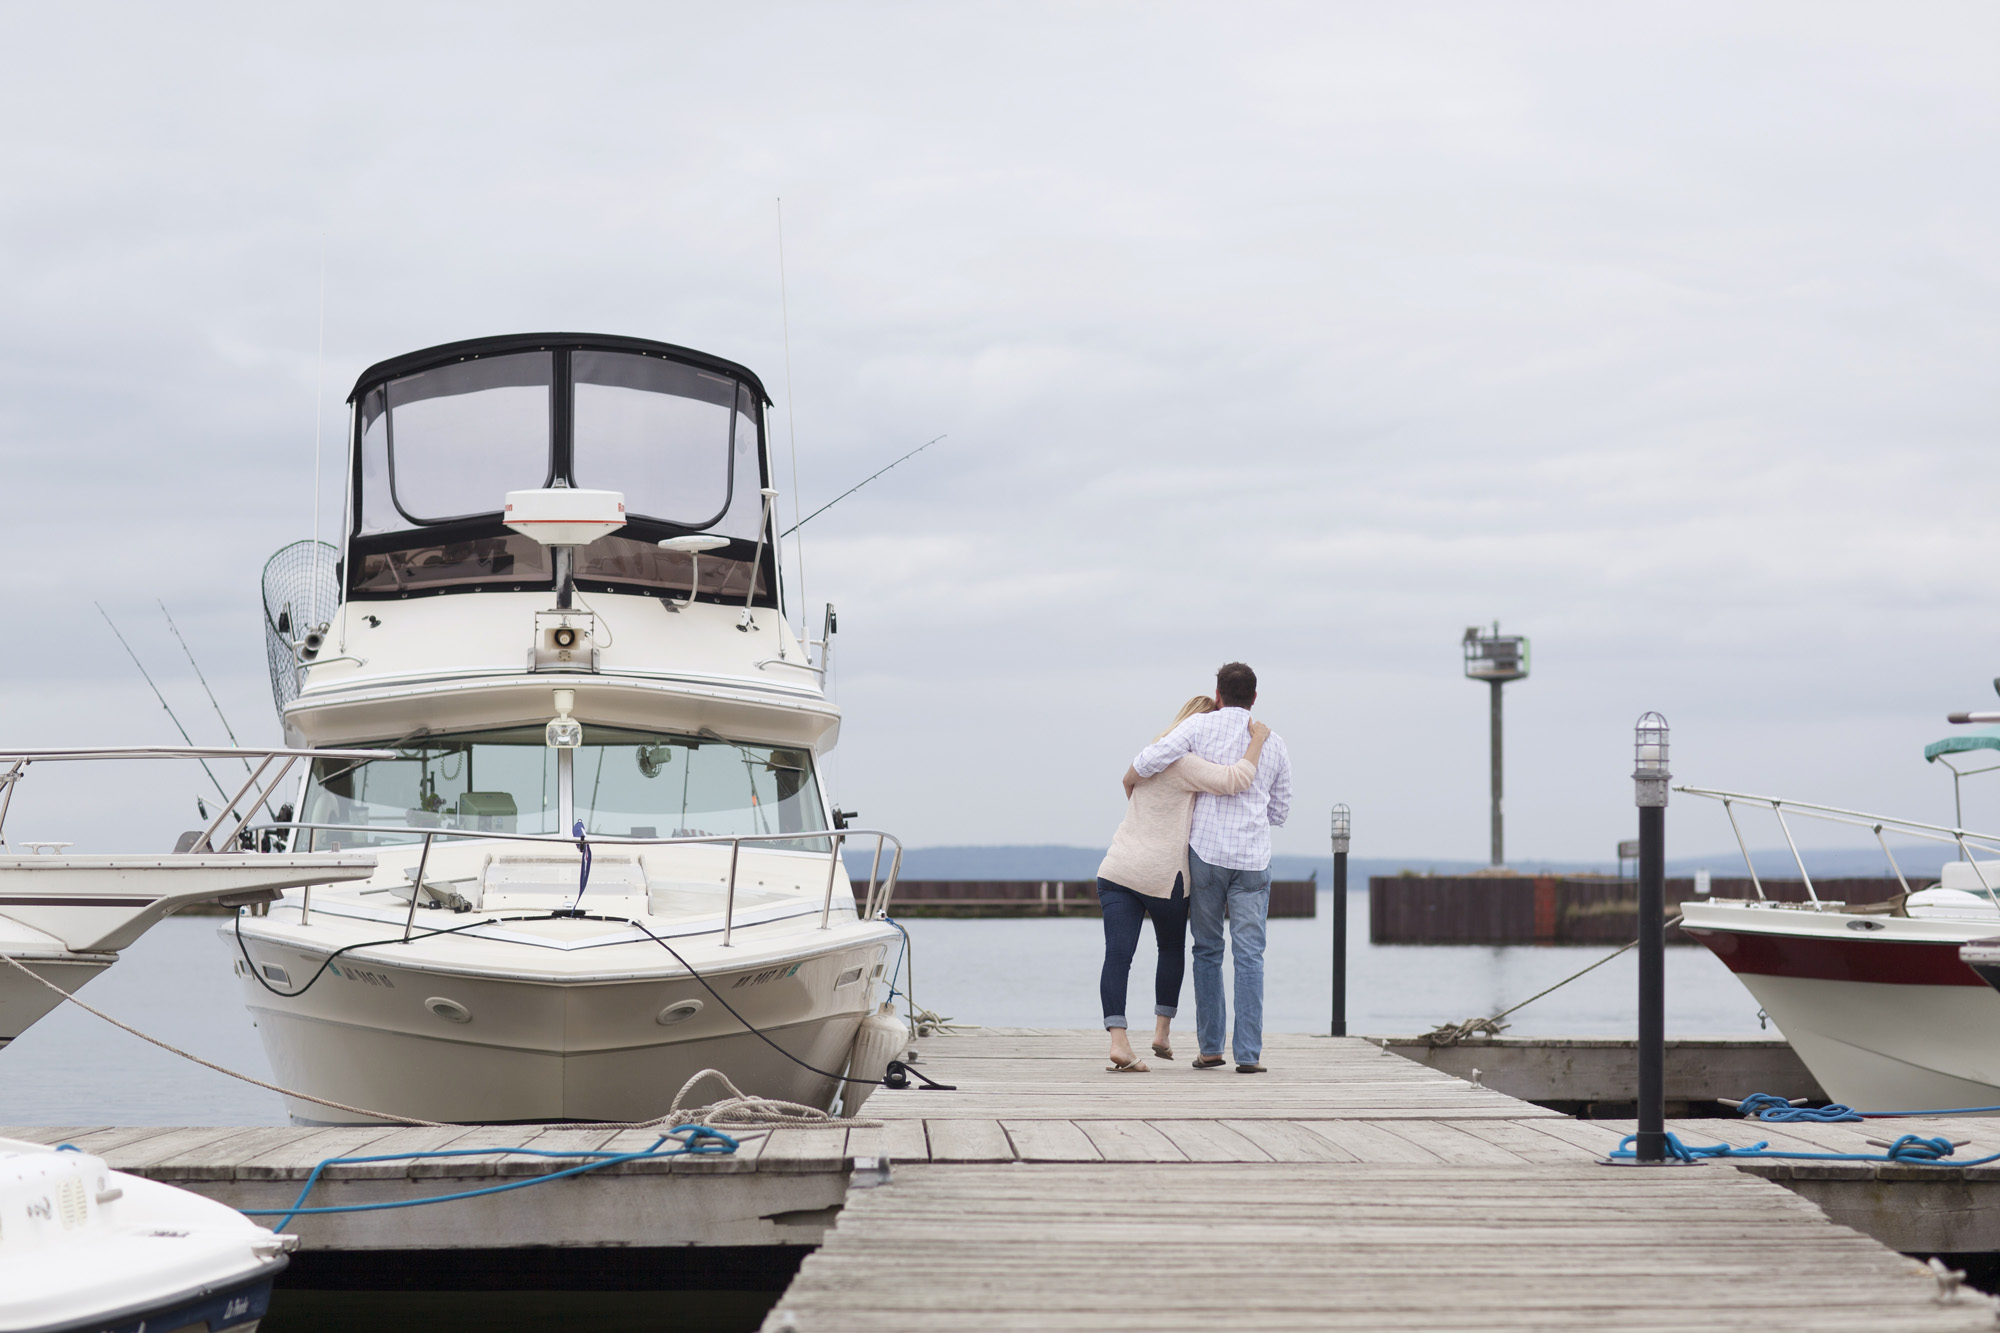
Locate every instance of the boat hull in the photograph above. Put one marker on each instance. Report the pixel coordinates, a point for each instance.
(1880, 1009)
(24, 1002)
(461, 1046)
(238, 1307)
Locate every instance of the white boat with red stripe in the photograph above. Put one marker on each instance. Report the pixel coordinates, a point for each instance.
(1874, 997)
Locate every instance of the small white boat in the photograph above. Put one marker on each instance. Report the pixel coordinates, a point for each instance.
(1875, 998)
(553, 666)
(65, 917)
(85, 1249)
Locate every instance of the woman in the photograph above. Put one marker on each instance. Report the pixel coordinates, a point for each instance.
(1146, 874)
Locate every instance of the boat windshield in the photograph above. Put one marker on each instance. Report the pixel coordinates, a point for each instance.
(626, 784)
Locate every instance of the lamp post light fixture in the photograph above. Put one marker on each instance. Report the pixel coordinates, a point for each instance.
(1343, 828)
(1495, 658)
(1649, 779)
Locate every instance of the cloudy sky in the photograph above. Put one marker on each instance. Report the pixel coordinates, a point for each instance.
(1301, 334)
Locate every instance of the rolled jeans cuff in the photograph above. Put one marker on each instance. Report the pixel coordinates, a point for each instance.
(1115, 1021)
(1165, 1010)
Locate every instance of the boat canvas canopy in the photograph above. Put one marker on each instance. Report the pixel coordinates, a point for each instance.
(441, 436)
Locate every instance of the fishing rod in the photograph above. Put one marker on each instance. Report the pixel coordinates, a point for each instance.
(226, 728)
(855, 487)
(161, 697)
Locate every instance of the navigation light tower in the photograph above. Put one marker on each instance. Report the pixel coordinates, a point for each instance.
(1496, 659)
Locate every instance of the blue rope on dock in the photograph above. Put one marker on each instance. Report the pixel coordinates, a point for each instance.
(1909, 1150)
(688, 1140)
(1777, 1110)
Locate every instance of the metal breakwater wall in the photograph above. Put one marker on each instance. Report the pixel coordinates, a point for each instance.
(1551, 909)
(1029, 897)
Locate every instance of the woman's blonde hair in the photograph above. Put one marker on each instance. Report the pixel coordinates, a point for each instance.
(1201, 703)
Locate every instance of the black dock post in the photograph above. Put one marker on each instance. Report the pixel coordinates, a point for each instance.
(1650, 779)
(1343, 821)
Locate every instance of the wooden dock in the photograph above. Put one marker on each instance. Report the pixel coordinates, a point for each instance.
(1348, 1188)
(1345, 1189)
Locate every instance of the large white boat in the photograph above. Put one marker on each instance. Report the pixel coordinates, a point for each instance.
(64, 917)
(1874, 997)
(85, 1249)
(606, 857)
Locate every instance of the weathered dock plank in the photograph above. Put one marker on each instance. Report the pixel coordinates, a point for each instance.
(1130, 1141)
(1061, 1075)
(955, 1140)
(1349, 1246)
(898, 1140)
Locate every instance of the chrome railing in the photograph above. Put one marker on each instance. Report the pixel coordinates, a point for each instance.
(873, 907)
(18, 761)
(1964, 839)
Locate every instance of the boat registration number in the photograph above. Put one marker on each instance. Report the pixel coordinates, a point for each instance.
(768, 974)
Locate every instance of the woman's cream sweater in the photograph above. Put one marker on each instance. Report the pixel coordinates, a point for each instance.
(1151, 845)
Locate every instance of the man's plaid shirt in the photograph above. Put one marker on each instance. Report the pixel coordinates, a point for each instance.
(1233, 832)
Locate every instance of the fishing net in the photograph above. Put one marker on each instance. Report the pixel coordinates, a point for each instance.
(300, 592)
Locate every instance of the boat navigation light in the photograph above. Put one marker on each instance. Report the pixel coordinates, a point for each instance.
(692, 545)
(563, 732)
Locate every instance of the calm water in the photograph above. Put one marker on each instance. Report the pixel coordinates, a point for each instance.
(73, 1069)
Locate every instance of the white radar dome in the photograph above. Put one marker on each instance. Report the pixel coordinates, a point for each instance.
(565, 516)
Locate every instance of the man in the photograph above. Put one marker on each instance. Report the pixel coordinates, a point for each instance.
(1229, 860)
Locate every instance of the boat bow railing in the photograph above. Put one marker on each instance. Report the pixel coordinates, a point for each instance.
(873, 907)
(18, 762)
(1880, 825)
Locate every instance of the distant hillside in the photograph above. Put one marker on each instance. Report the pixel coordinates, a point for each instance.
(1073, 864)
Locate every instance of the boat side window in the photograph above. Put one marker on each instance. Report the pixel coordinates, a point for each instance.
(663, 433)
(483, 560)
(746, 501)
(622, 562)
(449, 443)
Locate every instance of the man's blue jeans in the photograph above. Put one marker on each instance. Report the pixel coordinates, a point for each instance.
(1243, 899)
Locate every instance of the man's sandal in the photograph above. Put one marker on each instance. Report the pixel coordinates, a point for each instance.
(1209, 1062)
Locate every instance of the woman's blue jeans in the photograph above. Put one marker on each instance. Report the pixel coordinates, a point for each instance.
(1124, 910)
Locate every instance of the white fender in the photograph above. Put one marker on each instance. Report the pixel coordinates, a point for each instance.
(881, 1037)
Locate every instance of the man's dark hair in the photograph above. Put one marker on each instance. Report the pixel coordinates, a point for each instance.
(1236, 685)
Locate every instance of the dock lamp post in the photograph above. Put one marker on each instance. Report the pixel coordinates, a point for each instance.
(1343, 826)
(1495, 658)
(1650, 778)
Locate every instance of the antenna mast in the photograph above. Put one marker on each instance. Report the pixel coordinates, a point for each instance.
(791, 418)
(319, 395)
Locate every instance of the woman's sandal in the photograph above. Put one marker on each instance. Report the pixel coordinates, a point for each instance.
(1164, 1051)
(1134, 1066)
